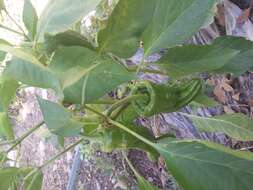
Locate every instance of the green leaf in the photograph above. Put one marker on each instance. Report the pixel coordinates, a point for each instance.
(237, 126)
(68, 38)
(98, 74)
(59, 16)
(3, 53)
(8, 177)
(242, 61)
(2, 5)
(201, 165)
(192, 59)
(158, 23)
(203, 100)
(30, 18)
(31, 74)
(125, 26)
(115, 138)
(143, 184)
(8, 90)
(58, 119)
(33, 181)
(161, 98)
(6, 127)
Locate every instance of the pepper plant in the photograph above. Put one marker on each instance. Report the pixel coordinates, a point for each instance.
(54, 55)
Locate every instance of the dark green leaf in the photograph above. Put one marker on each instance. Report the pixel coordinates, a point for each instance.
(158, 23)
(30, 18)
(33, 181)
(200, 165)
(203, 100)
(58, 119)
(8, 90)
(238, 126)
(6, 127)
(242, 61)
(125, 26)
(192, 59)
(58, 16)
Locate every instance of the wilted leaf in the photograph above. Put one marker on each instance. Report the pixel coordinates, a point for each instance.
(237, 126)
(30, 18)
(59, 16)
(193, 59)
(58, 119)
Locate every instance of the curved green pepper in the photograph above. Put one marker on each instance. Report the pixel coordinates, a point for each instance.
(159, 98)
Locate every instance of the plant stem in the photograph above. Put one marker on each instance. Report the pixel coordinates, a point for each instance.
(28, 133)
(95, 111)
(117, 124)
(14, 21)
(122, 102)
(61, 153)
(11, 30)
(151, 71)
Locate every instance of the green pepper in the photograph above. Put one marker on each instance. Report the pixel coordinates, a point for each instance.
(164, 98)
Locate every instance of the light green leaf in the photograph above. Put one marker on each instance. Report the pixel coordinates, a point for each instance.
(192, 59)
(59, 16)
(31, 74)
(243, 60)
(5, 126)
(158, 23)
(58, 119)
(201, 165)
(30, 18)
(33, 181)
(8, 177)
(3, 53)
(237, 126)
(8, 90)
(2, 5)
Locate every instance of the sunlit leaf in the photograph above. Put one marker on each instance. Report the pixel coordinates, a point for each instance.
(30, 18)
(58, 119)
(59, 16)
(33, 181)
(8, 90)
(5, 126)
(238, 126)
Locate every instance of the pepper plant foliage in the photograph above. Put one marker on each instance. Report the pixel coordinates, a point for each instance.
(54, 55)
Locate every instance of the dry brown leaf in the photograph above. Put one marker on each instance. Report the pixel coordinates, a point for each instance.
(220, 94)
(244, 16)
(236, 96)
(228, 110)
